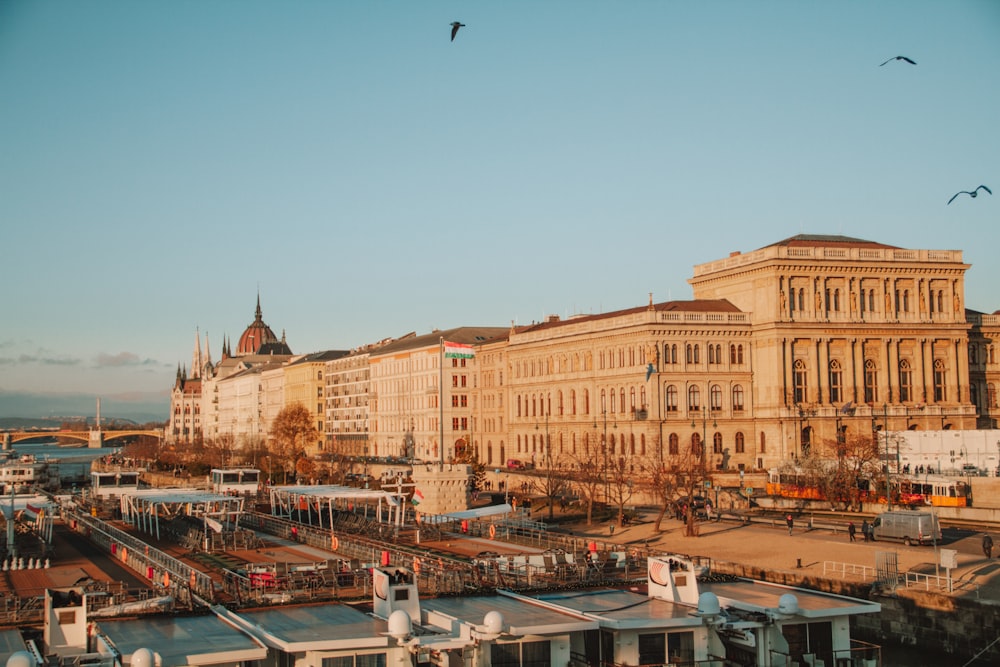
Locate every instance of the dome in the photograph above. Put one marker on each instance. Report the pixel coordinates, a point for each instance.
(256, 336)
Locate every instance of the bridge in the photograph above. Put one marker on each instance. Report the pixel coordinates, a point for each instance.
(94, 438)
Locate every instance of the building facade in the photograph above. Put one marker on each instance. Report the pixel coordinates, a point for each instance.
(782, 352)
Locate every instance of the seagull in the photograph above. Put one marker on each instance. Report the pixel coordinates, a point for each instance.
(455, 25)
(972, 194)
(898, 58)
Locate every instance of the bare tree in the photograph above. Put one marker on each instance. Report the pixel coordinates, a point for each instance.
(857, 457)
(623, 466)
(588, 477)
(659, 478)
(552, 483)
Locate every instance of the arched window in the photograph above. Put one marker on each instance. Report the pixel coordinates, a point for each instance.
(732, 354)
(673, 444)
(738, 398)
(715, 397)
(717, 443)
(940, 381)
(836, 381)
(670, 398)
(697, 354)
(800, 377)
(905, 381)
(871, 382)
(694, 398)
(740, 446)
(689, 354)
(696, 444)
(763, 442)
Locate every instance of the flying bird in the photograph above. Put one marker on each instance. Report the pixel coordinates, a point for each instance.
(898, 58)
(972, 194)
(455, 25)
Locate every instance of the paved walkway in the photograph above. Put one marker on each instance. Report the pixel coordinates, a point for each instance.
(806, 550)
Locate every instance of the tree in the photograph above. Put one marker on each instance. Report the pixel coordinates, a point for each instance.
(589, 478)
(552, 483)
(660, 480)
(291, 429)
(857, 457)
(690, 474)
(621, 478)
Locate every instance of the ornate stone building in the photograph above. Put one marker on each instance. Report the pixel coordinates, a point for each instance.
(782, 349)
(849, 335)
(197, 411)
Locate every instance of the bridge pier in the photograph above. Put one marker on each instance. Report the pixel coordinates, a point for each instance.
(7, 441)
(96, 439)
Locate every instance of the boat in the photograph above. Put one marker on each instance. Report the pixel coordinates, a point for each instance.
(23, 473)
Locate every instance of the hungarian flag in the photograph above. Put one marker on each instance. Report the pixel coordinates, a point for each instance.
(458, 351)
(418, 497)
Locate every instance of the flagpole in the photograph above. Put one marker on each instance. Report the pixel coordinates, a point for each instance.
(441, 401)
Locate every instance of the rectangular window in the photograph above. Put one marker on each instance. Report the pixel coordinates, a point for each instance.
(652, 649)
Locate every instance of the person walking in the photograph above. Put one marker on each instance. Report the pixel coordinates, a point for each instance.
(790, 522)
(864, 530)
(851, 531)
(987, 545)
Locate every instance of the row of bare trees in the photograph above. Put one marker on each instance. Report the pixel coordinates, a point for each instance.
(596, 476)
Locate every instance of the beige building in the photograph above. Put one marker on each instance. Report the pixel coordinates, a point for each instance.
(416, 403)
(306, 386)
(849, 335)
(781, 350)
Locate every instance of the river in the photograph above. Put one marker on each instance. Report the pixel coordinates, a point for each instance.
(73, 462)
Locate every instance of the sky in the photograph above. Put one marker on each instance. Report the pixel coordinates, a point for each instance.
(164, 163)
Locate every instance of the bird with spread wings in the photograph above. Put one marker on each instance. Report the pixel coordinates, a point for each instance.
(973, 193)
(912, 62)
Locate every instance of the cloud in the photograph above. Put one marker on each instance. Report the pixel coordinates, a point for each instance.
(121, 360)
(47, 361)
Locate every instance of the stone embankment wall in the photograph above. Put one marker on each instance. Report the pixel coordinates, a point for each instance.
(938, 623)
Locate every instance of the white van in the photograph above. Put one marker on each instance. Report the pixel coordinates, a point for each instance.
(908, 526)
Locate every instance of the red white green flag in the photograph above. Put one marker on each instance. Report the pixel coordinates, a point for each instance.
(458, 351)
(418, 497)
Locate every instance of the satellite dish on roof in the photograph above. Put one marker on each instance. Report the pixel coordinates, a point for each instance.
(400, 625)
(493, 623)
(788, 604)
(143, 657)
(21, 659)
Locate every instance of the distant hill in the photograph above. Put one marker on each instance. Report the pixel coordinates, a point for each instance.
(66, 407)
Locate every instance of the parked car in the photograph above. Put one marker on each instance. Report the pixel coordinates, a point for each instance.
(515, 464)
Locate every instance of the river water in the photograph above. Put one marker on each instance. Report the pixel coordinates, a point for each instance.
(73, 462)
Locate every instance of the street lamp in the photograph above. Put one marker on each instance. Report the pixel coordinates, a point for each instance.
(704, 431)
(885, 435)
(604, 446)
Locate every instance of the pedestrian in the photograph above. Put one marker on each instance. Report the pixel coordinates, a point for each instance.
(790, 522)
(851, 530)
(865, 531)
(987, 545)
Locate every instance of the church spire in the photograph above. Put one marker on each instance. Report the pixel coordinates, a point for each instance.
(196, 355)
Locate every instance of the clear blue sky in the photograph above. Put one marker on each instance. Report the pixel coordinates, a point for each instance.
(161, 162)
